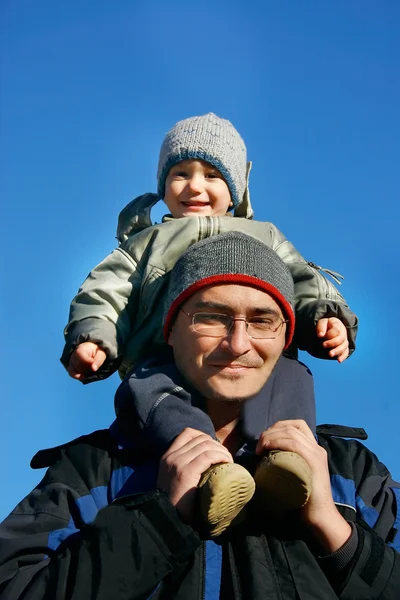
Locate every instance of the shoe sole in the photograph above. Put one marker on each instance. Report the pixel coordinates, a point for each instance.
(283, 482)
(224, 490)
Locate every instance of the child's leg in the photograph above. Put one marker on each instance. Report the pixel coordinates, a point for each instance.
(288, 394)
(155, 408)
(152, 409)
(283, 479)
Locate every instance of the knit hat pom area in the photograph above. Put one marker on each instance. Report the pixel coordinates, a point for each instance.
(231, 257)
(211, 139)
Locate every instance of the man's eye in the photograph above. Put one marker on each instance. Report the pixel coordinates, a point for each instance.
(262, 322)
(211, 319)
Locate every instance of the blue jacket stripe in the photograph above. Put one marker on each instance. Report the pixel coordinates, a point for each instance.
(369, 514)
(396, 525)
(213, 567)
(88, 507)
(126, 480)
(59, 535)
(122, 483)
(343, 490)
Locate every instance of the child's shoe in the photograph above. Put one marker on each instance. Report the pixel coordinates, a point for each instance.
(283, 482)
(223, 490)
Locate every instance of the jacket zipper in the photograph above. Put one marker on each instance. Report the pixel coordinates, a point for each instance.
(337, 277)
(207, 226)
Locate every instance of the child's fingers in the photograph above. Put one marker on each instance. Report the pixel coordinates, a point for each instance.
(73, 372)
(99, 359)
(84, 353)
(334, 342)
(81, 359)
(75, 367)
(341, 352)
(343, 356)
(322, 326)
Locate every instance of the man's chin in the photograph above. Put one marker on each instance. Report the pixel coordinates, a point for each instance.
(230, 393)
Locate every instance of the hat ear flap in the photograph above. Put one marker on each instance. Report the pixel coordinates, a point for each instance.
(245, 209)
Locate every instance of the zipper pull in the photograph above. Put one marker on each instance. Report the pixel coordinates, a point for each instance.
(335, 276)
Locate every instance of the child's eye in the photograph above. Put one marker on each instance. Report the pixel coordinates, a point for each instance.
(212, 176)
(179, 174)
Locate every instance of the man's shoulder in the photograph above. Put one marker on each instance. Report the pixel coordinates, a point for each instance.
(342, 443)
(341, 431)
(98, 460)
(347, 455)
(99, 441)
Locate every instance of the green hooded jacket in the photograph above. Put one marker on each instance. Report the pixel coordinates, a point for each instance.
(120, 304)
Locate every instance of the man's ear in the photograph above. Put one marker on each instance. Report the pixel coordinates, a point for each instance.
(170, 340)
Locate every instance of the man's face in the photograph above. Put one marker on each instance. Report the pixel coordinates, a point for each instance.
(234, 367)
(195, 188)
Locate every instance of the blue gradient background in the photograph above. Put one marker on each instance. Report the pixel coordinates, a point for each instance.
(88, 91)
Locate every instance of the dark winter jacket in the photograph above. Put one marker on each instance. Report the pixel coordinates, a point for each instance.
(96, 528)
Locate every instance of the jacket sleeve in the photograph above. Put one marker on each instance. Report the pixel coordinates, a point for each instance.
(374, 571)
(47, 552)
(315, 297)
(102, 310)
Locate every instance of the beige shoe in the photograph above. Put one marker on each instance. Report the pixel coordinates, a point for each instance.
(283, 482)
(224, 489)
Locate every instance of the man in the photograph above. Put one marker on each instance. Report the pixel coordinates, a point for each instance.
(109, 522)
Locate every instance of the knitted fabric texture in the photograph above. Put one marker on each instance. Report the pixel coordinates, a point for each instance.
(211, 139)
(231, 257)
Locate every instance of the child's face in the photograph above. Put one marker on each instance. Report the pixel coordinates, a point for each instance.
(195, 188)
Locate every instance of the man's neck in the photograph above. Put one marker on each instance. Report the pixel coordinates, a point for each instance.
(225, 418)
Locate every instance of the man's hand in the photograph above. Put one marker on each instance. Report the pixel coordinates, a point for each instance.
(190, 454)
(86, 358)
(334, 332)
(320, 513)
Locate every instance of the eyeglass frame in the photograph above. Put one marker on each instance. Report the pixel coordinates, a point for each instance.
(233, 320)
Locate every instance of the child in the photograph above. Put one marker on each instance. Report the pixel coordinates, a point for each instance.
(116, 318)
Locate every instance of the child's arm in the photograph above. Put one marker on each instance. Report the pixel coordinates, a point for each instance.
(101, 313)
(325, 325)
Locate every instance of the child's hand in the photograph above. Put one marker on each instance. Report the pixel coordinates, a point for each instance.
(335, 334)
(86, 358)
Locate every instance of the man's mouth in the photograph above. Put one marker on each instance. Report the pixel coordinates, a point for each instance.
(233, 368)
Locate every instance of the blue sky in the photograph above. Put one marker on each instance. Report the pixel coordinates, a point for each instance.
(89, 89)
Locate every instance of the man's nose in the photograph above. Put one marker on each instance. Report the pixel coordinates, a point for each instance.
(238, 340)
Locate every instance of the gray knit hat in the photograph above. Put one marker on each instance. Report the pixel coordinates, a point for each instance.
(208, 138)
(231, 257)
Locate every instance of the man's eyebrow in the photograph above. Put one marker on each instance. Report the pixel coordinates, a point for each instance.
(212, 305)
(266, 311)
(259, 310)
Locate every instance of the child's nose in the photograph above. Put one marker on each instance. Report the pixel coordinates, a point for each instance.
(196, 183)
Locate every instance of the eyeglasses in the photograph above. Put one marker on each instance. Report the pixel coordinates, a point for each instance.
(219, 325)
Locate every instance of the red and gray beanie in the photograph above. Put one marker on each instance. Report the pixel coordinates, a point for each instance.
(211, 139)
(231, 257)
